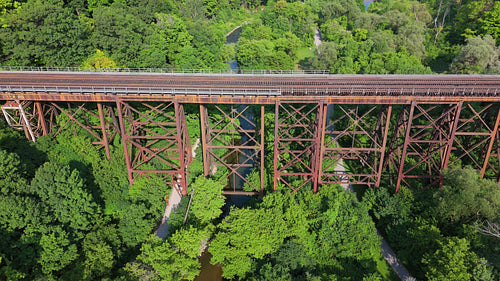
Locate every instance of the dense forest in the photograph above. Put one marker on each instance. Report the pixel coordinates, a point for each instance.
(391, 36)
(69, 213)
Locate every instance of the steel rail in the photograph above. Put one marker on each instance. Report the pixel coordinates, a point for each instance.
(254, 89)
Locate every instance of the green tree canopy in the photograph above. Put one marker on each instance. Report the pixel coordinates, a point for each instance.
(44, 33)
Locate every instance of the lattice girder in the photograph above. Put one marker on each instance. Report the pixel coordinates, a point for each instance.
(297, 144)
(475, 135)
(233, 145)
(97, 119)
(429, 134)
(155, 141)
(355, 135)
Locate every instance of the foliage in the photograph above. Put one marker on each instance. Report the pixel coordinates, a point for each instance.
(173, 259)
(99, 61)
(451, 261)
(44, 33)
(476, 56)
(465, 197)
(62, 193)
(296, 234)
(207, 199)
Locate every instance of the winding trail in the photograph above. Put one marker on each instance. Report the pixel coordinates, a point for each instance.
(174, 199)
(385, 249)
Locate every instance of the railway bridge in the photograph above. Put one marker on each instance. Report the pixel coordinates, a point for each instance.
(400, 129)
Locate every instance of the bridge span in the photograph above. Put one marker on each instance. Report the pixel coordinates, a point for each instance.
(403, 129)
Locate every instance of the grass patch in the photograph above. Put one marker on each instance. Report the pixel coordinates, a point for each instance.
(304, 52)
(385, 270)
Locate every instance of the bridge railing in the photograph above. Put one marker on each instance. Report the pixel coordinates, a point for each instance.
(163, 70)
(143, 90)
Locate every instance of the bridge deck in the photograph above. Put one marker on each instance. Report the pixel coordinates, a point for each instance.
(250, 89)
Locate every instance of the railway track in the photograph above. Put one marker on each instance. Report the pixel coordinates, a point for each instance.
(287, 84)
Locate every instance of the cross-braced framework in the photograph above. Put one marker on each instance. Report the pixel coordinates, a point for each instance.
(233, 146)
(475, 138)
(429, 134)
(297, 144)
(35, 118)
(97, 119)
(18, 116)
(354, 136)
(155, 141)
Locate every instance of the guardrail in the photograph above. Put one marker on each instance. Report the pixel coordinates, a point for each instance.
(143, 91)
(162, 70)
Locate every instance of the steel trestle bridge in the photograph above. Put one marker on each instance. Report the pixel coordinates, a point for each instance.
(405, 128)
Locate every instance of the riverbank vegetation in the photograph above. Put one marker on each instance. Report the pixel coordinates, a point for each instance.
(391, 36)
(443, 234)
(68, 213)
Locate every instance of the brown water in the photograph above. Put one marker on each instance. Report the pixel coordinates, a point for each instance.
(208, 271)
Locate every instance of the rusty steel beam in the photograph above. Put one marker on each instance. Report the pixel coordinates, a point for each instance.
(41, 118)
(430, 130)
(384, 143)
(494, 132)
(204, 126)
(244, 99)
(262, 148)
(297, 137)
(353, 138)
(154, 140)
(232, 147)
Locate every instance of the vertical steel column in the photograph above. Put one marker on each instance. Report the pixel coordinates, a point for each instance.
(262, 147)
(276, 139)
(182, 168)
(449, 145)
(124, 141)
(324, 109)
(317, 145)
(104, 131)
(204, 135)
(383, 148)
(405, 146)
(41, 118)
(494, 132)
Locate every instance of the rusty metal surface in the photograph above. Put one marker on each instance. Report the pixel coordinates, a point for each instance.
(247, 89)
(154, 137)
(234, 148)
(425, 122)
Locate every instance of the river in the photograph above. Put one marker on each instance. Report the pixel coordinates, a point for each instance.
(367, 3)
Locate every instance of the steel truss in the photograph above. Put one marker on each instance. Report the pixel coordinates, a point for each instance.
(354, 137)
(233, 145)
(35, 118)
(476, 138)
(429, 131)
(101, 126)
(155, 141)
(410, 143)
(297, 142)
(20, 116)
(43, 118)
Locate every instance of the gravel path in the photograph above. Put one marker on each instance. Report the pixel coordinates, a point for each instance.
(174, 200)
(317, 38)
